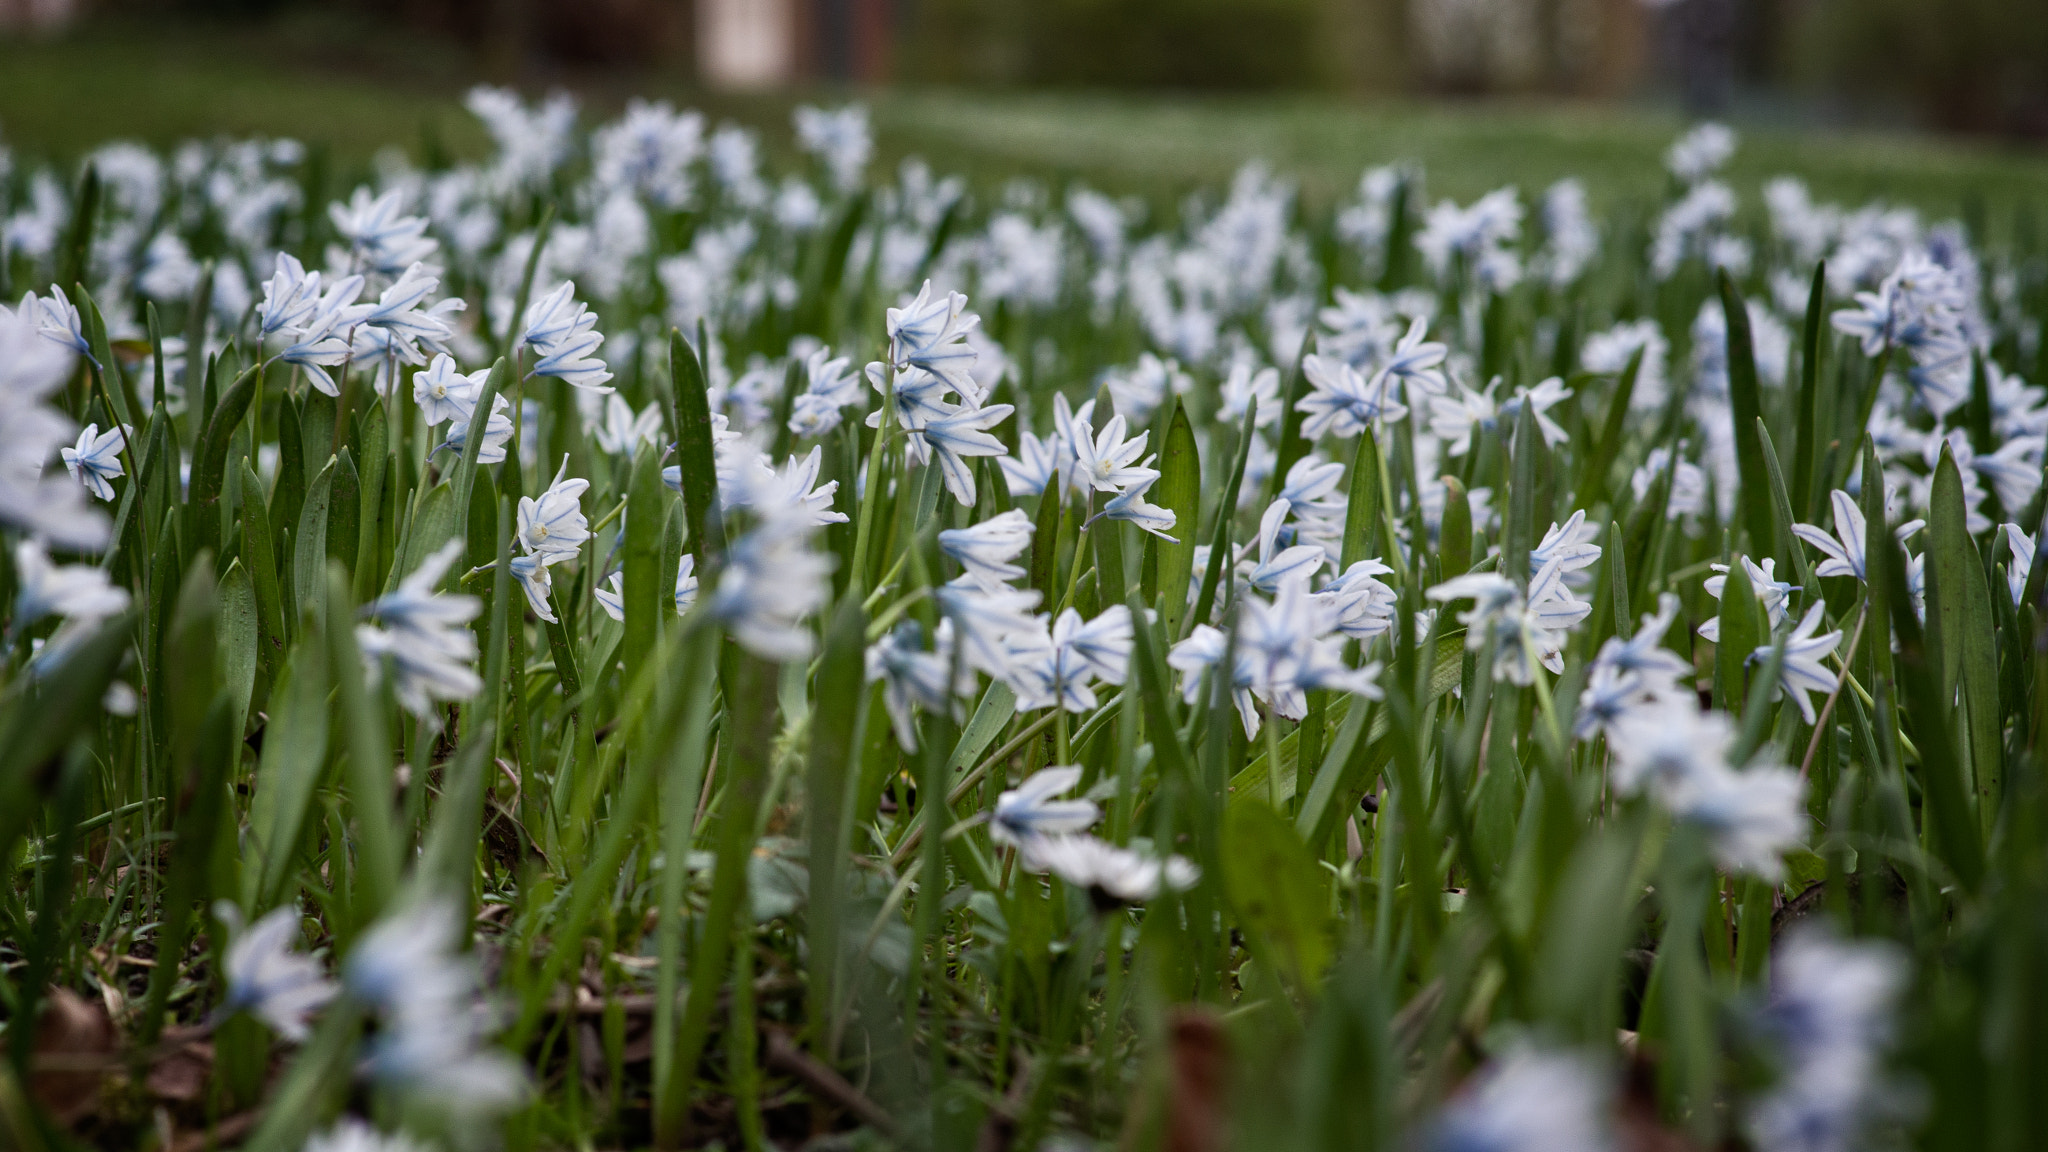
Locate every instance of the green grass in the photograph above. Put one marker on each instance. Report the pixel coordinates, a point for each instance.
(356, 91)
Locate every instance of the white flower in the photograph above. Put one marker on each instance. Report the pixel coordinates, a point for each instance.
(931, 334)
(290, 297)
(80, 593)
(1773, 594)
(1701, 152)
(1028, 811)
(424, 636)
(771, 583)
(1644, 653)
(497, 429)
(380, 236)
(554, 526)
(266, 977)
(1752, 817)
(840, 138)
(914, 678)
(96, 458)
(984, 550)
(829, 388)
(611, 595)
(1569, 544)
(1802, 671)
(1245, 387)
(434, 1040)
(352, 1135)
(443, 393)
(686, 584)
(1273, 568)
(622, 432)
(31, 369)
(563, 334)
(1111, 874)
(1416, 362)
(1830, 1012)
(954, 439)
(1131, 506)
(1103, 461)
(1530, 1100)
(1341, 402)
(2022, 566)
(531, 570)
(59, 322)
(1362, 605)
(1030, 469)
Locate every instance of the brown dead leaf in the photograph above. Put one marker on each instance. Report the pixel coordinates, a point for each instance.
(181, 1075)
(74, 1050)
(1194, 1120)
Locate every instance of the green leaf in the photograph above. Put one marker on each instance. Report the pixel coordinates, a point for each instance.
(344, 512)
(1951, 560)
(1454, 548)
(1742, 632)
(1787, 546)
(835, 735)
(371, 471)
(370, 780)
(209, 463)
(1806, 451)
(259, 552)
(433, 524)
(1585, 934)
(1278, 891)
(287, 773)
(237, 640)
(1521, 530)
(1045, 545)
(463, 482)
(1179, 490)
(41, 721)
(309, 544)
(1744, 397)
(694, 458)
(1362, 508)
(646, 515)
(1593, 472)
(1925, 700)
(1226, 508)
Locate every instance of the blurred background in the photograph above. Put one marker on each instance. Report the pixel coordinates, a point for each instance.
(1977, 66)
(1938, 103)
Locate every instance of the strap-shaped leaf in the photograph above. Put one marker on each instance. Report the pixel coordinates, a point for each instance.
(1806, 450)
(695, 460)
(1745, 399)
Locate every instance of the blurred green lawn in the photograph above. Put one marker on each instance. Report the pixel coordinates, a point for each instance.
(356, 91)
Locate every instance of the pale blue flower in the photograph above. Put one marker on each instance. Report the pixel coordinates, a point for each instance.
(380, 237)
(59, 322)
(931, 334)
(1112, 875)
(1531, 1100)
(554, 525)
(1341, 402)
(955, 438)
(96, 459)
(1802, 671)
(1130, 506)
(531, 570)
(443, 393)
(266, 977)
(1031, 468)
(1029, 811)
(984, 550)
(1274, 565)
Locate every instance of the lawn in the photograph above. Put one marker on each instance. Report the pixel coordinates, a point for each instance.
(356, 92)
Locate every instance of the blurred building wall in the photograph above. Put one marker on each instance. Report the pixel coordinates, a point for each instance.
(36, 15)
